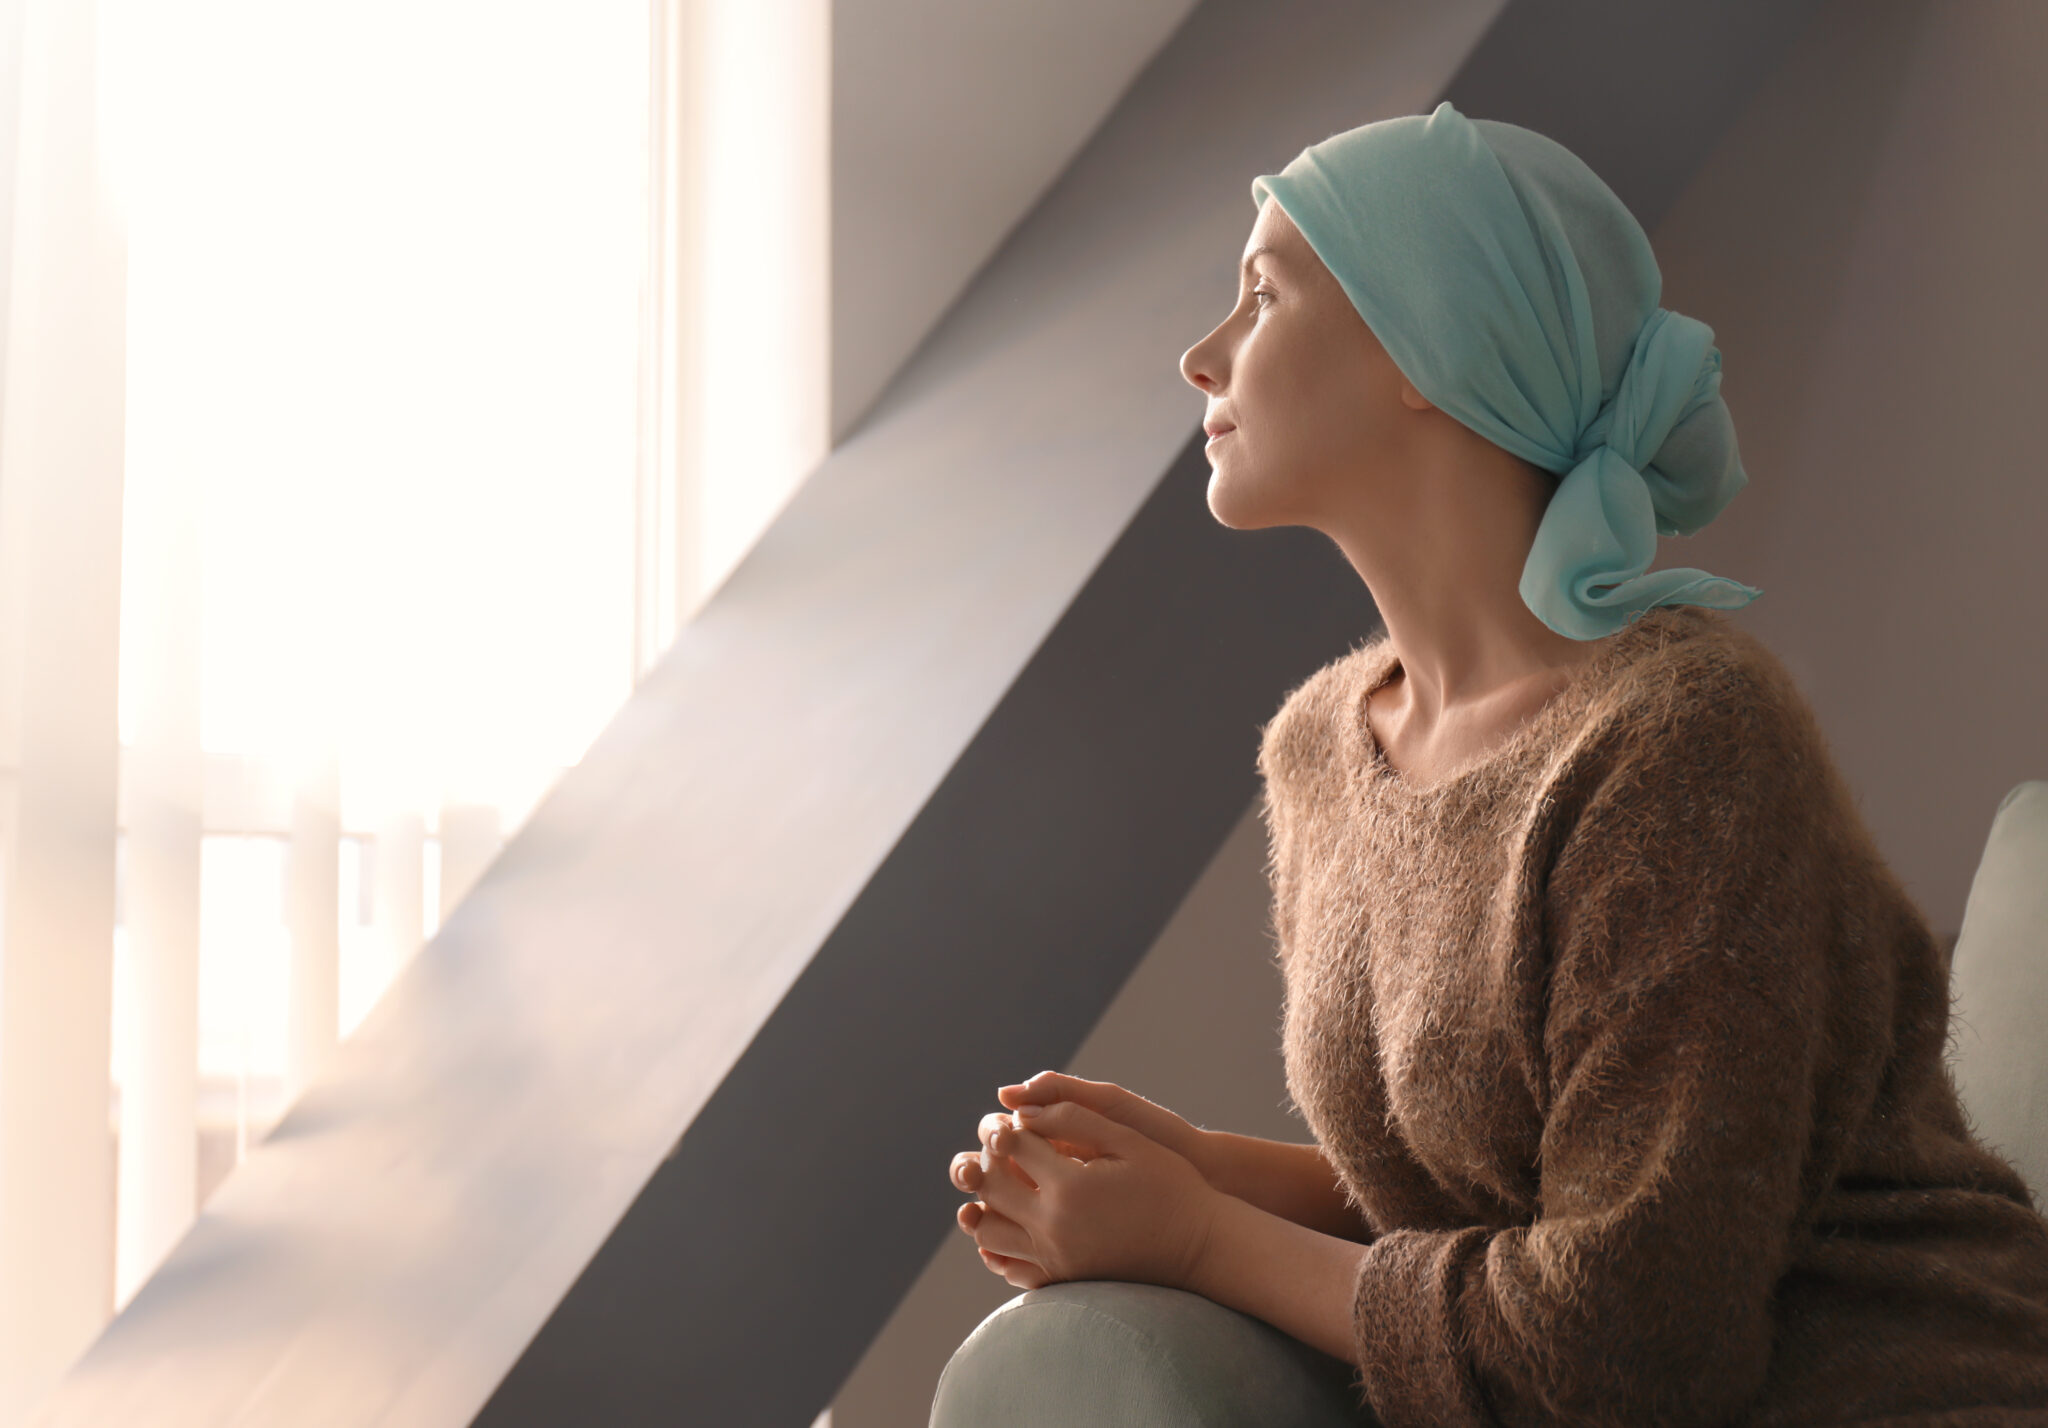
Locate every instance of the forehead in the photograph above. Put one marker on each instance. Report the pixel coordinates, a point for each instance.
(1274, 240)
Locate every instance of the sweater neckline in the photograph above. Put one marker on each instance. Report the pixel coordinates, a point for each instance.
(1617, 648)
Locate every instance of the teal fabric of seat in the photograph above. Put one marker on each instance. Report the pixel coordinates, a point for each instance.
(2000, 981)
(1106, 1354)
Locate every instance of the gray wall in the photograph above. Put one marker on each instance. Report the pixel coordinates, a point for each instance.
(1865, 242)
(949, 120)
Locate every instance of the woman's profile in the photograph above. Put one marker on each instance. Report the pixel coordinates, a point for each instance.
(1621, 1045)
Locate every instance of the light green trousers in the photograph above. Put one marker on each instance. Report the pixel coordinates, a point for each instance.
(1105, 1354)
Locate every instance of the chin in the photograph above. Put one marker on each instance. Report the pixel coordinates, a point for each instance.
(1237, 508)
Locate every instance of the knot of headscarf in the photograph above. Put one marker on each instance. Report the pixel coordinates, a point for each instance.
(1519, 295)
(1589, 565)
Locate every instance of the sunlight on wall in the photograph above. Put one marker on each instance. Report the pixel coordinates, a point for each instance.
(763, 318)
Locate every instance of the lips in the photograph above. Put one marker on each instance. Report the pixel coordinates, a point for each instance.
(1218, 433)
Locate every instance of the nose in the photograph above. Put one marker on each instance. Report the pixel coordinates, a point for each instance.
(1195, 367)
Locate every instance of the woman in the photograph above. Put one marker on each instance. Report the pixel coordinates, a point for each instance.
(1621, 1045)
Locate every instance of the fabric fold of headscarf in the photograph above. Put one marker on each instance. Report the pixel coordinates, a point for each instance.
(1520, 296)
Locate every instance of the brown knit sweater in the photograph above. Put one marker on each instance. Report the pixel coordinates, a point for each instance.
(1629, 1047)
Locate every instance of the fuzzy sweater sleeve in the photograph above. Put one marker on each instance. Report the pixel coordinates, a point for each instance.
(1686, 911)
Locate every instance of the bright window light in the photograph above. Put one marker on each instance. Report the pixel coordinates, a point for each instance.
(383, 295)
(384, 284)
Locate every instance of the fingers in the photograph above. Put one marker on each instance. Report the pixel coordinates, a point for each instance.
(991, 1123)
(1067, 1122)
(1052, 1086)
(1007, 1188)
(969, 1169)
(1035, 1157)
(998, 1234)
(1034, 1161)
(1117, 1103)
(1014, 1162)
(1021, 1273)
(1016, 1270)
(966, 1172)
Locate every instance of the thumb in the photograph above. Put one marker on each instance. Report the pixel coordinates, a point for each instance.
(1118, 1103)
(1081, 1126)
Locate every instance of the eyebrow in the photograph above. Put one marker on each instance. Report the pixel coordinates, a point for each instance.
(1264, 250)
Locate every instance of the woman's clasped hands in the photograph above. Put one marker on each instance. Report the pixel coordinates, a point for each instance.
(1085, 1180)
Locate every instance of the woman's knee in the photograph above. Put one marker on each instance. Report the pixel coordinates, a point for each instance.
(1100, 1352)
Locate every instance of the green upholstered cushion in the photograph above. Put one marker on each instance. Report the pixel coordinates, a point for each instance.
(2000, 978)
(1097, 1353)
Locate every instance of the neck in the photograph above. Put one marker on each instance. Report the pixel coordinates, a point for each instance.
(1443, 562)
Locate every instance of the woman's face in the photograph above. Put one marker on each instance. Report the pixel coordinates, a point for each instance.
(1313, 401)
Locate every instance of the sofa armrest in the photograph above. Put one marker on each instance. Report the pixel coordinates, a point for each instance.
(1097, 1353)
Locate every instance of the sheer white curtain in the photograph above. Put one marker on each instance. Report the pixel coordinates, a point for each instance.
(61, 421)
(383, 320)
(381, 387)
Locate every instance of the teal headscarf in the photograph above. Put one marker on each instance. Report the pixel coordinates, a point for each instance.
(1519, 295)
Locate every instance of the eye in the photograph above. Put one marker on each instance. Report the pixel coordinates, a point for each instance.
(1262, 293)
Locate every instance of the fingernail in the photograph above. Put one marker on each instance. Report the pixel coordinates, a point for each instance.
(1029, 1111)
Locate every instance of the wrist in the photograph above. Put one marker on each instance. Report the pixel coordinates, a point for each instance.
(1199, 1148)
(1299, 1280)
(1219, 1155)
(1222, 1229)
(1212, 1230)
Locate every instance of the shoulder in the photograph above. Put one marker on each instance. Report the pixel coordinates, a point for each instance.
(1698, 827)
(1704, 720)
(1306, 736)
(1702, 675)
